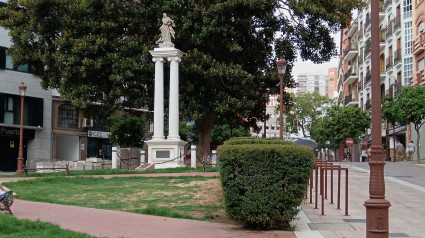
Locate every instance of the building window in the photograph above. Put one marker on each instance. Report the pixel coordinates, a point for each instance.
(6, 62)
(408, 38)
(67, 116)
(408, 70)
(407, 8)
(8, 110)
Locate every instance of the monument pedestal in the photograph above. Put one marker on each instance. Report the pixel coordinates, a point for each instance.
(166, 153)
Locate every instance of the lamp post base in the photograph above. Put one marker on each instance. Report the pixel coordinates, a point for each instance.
(20, 169)
(377, 218)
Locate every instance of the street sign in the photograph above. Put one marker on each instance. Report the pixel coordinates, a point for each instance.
(328, 142)
(349, 141)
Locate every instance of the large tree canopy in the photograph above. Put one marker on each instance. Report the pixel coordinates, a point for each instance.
(92, 50)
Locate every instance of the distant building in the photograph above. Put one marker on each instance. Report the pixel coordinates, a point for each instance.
(308, 83)
(332, 82)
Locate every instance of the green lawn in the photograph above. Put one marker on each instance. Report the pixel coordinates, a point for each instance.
(181, 197)
(12, 227)
(115, 171)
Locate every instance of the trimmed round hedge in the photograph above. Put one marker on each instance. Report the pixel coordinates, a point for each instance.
(264, 184)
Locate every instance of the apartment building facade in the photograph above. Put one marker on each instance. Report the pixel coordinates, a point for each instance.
(37, 134)
(396, 59)
(418, 76)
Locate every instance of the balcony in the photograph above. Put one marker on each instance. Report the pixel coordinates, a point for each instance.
(389, 63)
(350, 76)
(397, 25)
(397, 88)
(360, 60)
(387, 4)
(367, 24)
(381, 10)
(397, 57)
(389, 32)
(351, 100)
(418, 79)
(367, 50)
(382, 38)
(419, 44)
(389, 91)
(352, 29)
(367, 79)
(350, 52)
(367, 105)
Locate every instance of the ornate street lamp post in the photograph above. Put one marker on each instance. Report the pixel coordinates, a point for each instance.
(265, 97)
(281, 69)
(376, 206)
(20, 170)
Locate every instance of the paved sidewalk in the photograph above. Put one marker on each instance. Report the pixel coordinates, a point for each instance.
(406, 214)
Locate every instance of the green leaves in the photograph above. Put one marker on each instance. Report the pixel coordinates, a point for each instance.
(126, 130)
(339, 124)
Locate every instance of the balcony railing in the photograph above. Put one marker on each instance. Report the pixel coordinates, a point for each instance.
(418, 78)
(367, 23)
(397, 23)
(389, 63)
(387, 3)
(360, 60)
(350, 73)
(367, 105)
(382, 36)
(349, 48)
(389, 31)
(350, 98)
(397, 88)
(419, 43)
(397, 56)
(367, 78)
(381, 6)
(367, 49)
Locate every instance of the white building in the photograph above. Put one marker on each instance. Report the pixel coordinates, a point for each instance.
(37, 111)
(309, 83)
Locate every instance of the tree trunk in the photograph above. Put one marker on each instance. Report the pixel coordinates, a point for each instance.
(418, 157)
(204, 127)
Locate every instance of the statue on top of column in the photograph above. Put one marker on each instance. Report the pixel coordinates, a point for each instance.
(167, 32)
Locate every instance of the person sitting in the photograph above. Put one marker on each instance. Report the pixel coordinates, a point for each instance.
(4, 195)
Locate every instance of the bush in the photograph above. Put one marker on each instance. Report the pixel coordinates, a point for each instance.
(264, 184)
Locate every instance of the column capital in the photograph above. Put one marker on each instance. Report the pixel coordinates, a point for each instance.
(160, 59)
(177, 59)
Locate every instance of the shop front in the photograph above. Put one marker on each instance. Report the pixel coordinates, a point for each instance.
(98, 145)
(9, 147)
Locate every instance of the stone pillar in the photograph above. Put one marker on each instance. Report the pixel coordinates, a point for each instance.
(173, 130)
(159, 99)
(193, 156)
(114, 158)
(214, 158)
(142, 157)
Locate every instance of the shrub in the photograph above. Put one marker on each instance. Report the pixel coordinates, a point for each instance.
(264, 184)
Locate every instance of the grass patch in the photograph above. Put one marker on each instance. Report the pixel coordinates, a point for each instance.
(191, 197)
(115, 171)
(23, 228)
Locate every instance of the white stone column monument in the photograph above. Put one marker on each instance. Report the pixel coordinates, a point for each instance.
(166, 152)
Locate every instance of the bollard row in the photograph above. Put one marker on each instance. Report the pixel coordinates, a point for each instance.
(319, 184)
